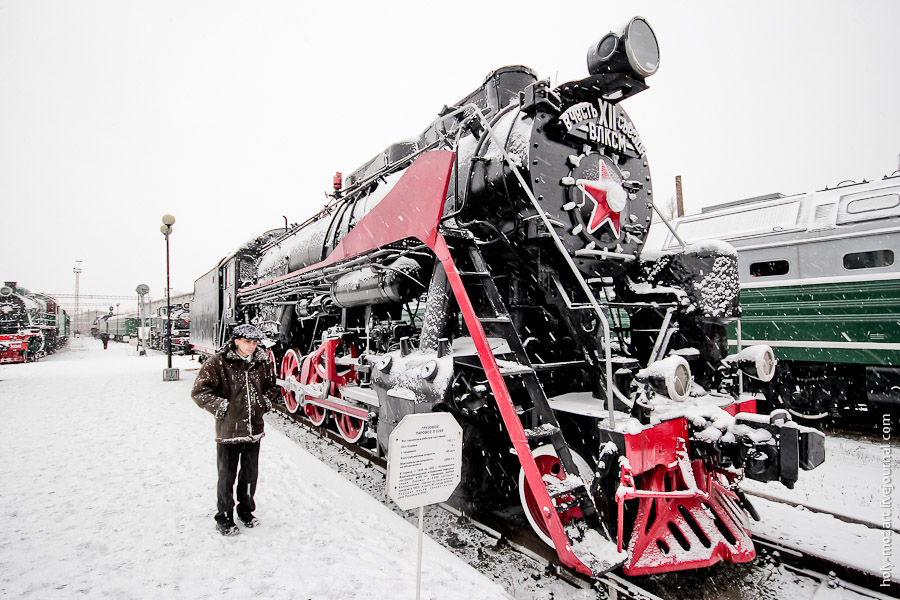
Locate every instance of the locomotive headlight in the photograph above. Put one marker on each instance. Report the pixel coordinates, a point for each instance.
(6, 291)
(670, 376)
(641, 47)
(634, 49)
(757, 361)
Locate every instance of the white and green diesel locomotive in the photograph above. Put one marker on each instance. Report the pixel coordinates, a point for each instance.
(820, 285)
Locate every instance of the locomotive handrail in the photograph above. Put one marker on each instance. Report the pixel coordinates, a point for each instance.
(668, 224)
(604, 254)
(264, 291)
(662, 339)
(514, 167)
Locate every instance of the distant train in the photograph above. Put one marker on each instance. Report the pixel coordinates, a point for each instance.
(123, 328)
(181, 325)
(820, 285)
(31, 324)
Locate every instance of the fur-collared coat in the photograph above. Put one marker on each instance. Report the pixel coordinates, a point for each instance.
(237, 393)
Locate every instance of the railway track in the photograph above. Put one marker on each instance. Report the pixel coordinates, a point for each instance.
(529, 569)
(813, 509)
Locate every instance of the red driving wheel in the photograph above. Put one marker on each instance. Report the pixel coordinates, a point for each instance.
(290, 368)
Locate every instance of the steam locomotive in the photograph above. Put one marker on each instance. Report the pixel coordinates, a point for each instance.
(492, 268)
(31, 324)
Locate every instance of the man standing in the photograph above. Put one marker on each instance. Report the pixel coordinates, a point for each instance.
(237, 385)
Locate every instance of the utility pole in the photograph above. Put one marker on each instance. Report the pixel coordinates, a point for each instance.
(679, 197)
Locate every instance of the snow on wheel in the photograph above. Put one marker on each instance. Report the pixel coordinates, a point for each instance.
(350, 428)
(551, 470)
(290, 368)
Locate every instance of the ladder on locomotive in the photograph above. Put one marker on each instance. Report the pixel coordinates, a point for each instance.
(540, 424)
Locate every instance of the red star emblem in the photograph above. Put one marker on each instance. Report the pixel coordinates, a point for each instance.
(608, 197)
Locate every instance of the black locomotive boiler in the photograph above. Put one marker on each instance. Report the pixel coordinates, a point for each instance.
(492, 268)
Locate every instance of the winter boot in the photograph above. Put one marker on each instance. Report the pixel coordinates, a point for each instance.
(248, 520)
(228, 528)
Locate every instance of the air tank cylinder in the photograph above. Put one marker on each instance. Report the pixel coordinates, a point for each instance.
(397, 281)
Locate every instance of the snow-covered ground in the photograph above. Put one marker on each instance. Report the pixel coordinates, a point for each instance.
(108, 491)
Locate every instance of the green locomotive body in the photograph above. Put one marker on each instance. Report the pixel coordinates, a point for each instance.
(820, 284)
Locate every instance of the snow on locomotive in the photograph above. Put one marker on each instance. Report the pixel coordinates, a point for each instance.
(492, 268)
(31, 324)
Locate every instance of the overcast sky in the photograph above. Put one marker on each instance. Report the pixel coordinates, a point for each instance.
(232, 114)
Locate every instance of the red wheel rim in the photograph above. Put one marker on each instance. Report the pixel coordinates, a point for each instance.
(350, 428)
(316, 414)
(549, 466)
(309, 375)
(290, 367)
(273, 362)
(320, 367)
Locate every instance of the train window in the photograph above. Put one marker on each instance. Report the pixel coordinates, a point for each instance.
(858, 207)
(769, 268)
(869, 260)
(869, 204)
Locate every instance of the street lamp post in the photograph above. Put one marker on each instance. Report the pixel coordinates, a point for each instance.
(169, 374)
(142, 291)
(77, 271)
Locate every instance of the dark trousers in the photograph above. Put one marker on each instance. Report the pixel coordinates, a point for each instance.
(228, 456)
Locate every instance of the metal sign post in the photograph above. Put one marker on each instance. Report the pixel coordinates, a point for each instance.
(424, 466)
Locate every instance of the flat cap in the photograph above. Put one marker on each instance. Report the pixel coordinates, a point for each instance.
(248, 332)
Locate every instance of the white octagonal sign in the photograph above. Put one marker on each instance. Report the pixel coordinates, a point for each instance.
(424, 459)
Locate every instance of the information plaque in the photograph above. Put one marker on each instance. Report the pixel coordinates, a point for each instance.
(424, 459)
